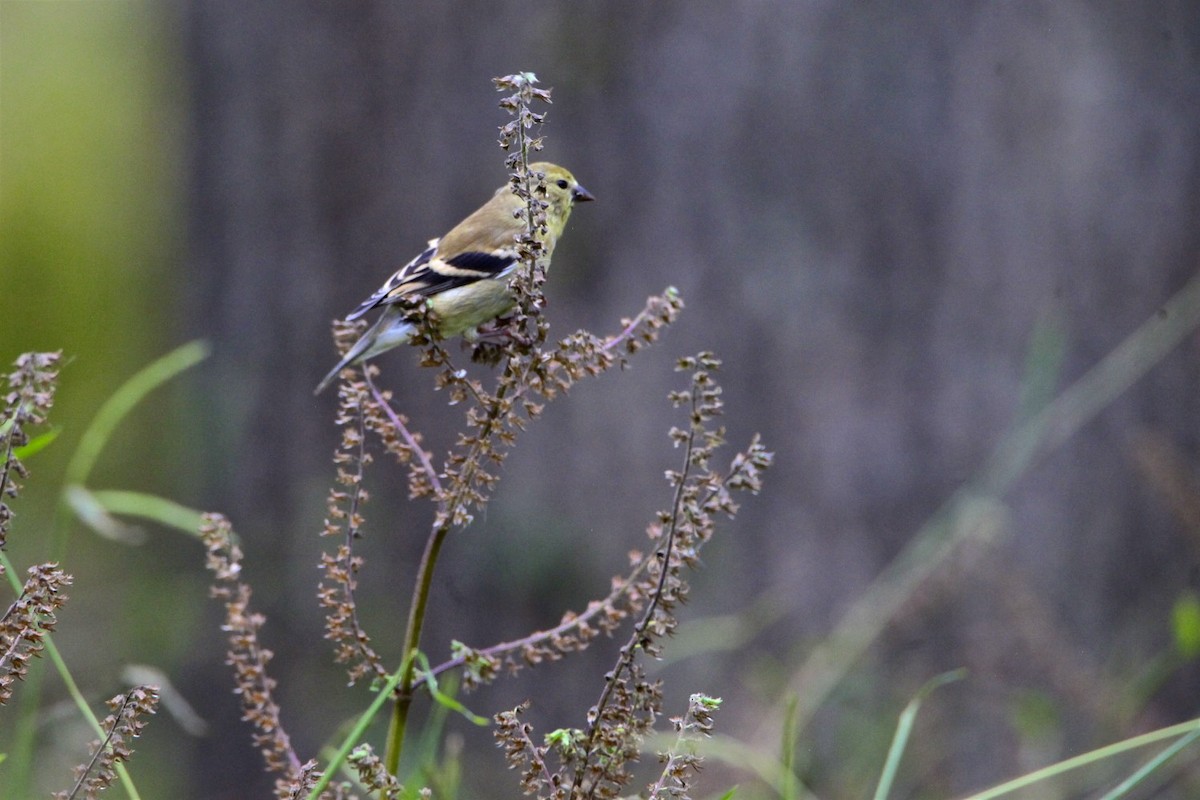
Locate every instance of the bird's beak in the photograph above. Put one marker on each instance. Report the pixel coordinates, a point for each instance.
(580, 194)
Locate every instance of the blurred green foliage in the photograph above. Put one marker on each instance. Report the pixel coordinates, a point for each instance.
(91, 109)
(90, 221)
(1185, 622)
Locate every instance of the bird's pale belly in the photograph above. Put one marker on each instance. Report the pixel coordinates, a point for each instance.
(467, 307)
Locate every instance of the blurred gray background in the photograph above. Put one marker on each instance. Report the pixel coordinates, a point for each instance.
(874, 213)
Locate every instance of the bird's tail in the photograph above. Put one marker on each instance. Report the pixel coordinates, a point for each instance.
(390, 330)
(350, 356)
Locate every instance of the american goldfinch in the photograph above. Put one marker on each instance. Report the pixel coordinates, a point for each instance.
(464, 275)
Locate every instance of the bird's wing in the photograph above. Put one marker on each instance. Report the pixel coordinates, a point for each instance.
(429, 274)
(480, 247)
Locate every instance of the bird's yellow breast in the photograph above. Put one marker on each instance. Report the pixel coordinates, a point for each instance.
(467, 307)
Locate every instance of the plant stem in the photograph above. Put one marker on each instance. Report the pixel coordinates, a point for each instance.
(426, 464)
(412, 640)
(629, 651)
(450, 507)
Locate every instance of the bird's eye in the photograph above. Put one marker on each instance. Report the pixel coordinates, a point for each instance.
(562, 184)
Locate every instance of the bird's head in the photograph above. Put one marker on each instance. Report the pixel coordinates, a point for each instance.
(561, 184)
(563, 191)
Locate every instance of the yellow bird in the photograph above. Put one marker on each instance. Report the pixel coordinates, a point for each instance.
(463, 275)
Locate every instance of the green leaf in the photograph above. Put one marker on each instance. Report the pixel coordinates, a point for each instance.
(904, 730)
(97, 434)
(1185, 624)
(1043, 365)
(1150, 767)
(1085, 759)
(426, 671)
(359, 730)
(1035, 716)
(150, 507)
(91, 512)
(562, 738)
(132, 392)
(36, 444)
(96, 509)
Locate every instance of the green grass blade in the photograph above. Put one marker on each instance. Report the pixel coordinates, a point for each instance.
(976, 510)
(1043, 366)
(904, 729)
(91, 512)
(51, 651)
(36, 444)
(1127, 785)
(78, 469)
(150, 507)
(132, 392)
(443, 699)
(1083, 760)
(742, 756)
(788, 755)
(356, 734)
